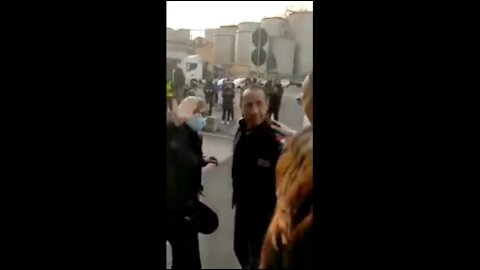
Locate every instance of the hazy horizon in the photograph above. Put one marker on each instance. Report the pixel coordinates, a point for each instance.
(196, 15)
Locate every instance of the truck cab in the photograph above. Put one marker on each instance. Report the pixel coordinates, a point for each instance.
(193, 69)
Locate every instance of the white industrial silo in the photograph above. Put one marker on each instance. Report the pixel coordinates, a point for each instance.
(248, 26)
(210, 33)
(243, 47)
(283, 50)
(227, 30)
(223, 49)
(183, 34)
(300, 29)
(275, 26)
(178, 35)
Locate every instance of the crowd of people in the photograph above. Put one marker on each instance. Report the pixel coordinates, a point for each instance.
(213, 88)
(272, 177)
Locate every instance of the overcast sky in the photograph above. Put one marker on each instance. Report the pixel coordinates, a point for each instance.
(212, 14)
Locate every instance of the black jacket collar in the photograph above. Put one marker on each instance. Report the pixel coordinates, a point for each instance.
(260, 128)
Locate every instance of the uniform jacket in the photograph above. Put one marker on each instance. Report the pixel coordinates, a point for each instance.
(255, 157)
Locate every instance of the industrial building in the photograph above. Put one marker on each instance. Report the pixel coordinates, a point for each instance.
(288, 49)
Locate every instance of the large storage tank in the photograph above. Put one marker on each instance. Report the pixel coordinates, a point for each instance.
(300, 29)
(178, 35)
(248, 26)
(283, 50)
(223, 49)
(210, 33)
(243, 47)
(227, 30)
(275, 26)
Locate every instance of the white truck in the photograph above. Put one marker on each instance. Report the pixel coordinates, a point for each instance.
(191, 65)
(193, 68)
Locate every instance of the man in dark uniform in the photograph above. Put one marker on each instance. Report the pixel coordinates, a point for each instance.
(257, 147)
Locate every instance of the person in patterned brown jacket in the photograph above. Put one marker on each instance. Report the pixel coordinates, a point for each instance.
(289, 239)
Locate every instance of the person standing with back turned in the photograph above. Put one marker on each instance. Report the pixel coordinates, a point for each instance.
(178, 82)
(208, 92)
(228, 100)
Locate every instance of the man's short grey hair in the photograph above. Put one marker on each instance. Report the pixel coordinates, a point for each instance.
(256, 87)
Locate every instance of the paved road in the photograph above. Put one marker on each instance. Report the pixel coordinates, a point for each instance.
(217, 248)
(220, 146)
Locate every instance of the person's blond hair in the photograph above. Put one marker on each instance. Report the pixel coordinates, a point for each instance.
(294, 189)
(187, 108)
(292, 221)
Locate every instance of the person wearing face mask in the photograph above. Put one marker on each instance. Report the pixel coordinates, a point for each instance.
(186, 215)
(288, 242)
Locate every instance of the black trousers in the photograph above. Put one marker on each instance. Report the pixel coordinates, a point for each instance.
(178, 94)
(247, 241)
(275, 112)
(210, 105)
(184, 242)
(228, 113)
